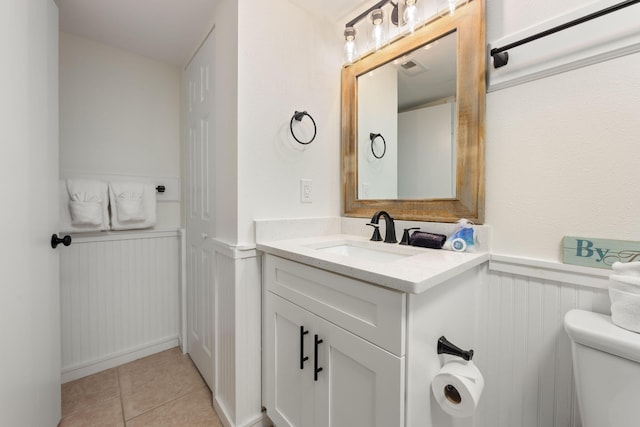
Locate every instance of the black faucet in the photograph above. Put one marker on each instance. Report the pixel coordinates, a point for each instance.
(390, 228)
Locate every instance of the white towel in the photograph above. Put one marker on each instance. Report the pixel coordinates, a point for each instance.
(83, 205)
(626, 276)
(624, 292)
(624, 284)
(627, 268)
(133, 205)
(85, 212)
(128, 205)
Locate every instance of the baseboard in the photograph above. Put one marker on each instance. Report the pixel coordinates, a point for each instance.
(261, 420)
(111, 361)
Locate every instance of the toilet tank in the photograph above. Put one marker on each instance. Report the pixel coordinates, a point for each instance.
(606, 363)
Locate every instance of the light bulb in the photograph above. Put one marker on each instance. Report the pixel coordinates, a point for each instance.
(377, 32)
(452, 7)
(350, 50)
(411, 14)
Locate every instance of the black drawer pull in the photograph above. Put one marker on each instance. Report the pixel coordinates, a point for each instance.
(303, 358)
(316, 369)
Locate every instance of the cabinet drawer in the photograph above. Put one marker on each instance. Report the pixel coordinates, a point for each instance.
(372, 312)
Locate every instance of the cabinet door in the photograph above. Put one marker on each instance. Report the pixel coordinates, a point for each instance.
(360, 384)
(289, 390)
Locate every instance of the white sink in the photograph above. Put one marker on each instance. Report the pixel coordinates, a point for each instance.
(403, 268)
(359, 250)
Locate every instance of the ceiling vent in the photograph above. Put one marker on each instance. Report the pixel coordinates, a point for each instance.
(412, 68)
(408, 65)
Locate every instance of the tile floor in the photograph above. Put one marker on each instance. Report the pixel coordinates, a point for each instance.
(164, 389)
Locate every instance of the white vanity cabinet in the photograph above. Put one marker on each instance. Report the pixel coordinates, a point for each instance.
(379, 322)
(333, 349)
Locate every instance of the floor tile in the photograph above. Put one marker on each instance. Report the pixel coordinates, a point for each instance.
(88, 391)
(164, 389)
(193, 409)
(103, 413)
(148, 383)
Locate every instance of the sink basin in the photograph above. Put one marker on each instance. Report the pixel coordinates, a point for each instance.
(352, 249)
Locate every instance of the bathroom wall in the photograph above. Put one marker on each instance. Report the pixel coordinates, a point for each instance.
(119, 114)
(560, 151)
(427, 157)
(378, 113)
(560, 159)
(226, 120)
(288, 60)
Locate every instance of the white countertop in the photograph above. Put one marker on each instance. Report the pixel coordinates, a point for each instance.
(421, 270)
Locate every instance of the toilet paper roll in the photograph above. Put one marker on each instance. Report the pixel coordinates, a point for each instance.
(457, 388)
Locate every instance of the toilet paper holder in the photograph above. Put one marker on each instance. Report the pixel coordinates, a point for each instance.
(445, 346)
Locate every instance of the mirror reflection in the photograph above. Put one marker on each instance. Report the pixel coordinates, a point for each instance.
(406, 125)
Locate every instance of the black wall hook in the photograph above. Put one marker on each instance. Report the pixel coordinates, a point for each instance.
(444, 346)
(161, 188)
(55, 240)
(298, 116)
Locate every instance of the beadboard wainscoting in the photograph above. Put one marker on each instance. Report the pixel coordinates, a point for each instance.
(237, 333)
(524, 352)
(120, 298)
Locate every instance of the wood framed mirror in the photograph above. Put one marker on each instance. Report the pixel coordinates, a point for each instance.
(364, 174)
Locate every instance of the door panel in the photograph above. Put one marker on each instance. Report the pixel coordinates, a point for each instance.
(200, 218)
(290, 397)
(360, 385)
(29, 284)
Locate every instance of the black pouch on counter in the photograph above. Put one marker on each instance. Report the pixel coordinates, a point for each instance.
(427, 240)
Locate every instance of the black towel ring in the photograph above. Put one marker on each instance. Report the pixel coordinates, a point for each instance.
(298, 116)
(372, 137)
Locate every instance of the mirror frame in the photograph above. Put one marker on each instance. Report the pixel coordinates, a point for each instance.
(469, 23)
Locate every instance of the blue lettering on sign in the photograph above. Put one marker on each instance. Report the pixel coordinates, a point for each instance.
(585, 249)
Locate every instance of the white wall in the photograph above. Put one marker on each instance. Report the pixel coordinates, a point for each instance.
(287, 60)
(378, 113)
(119, 114)
(226, 120)
(561, 151)
(426, 157)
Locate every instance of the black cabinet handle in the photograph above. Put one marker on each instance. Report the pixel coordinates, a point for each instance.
(303, 358)
(55, 240)
(316, 369)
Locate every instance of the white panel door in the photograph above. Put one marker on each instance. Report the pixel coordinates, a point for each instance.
(358, 383)
(200, 211)
(327, 377)
(29, 267)
(289, 363)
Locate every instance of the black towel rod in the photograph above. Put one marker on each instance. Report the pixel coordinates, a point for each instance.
(501, 56)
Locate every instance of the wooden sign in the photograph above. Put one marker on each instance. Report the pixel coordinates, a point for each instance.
(598, 253)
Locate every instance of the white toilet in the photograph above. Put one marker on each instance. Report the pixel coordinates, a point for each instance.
(606, 364)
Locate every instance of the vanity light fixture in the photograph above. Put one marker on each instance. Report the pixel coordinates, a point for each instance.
(378, 33)
(452, 7)
(350, 50)
(407, 13)
(376, 23)
(411, 14)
